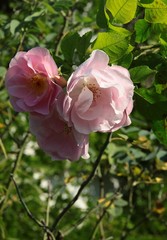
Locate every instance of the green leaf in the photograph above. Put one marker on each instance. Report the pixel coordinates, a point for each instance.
(150, 95)
(142, 29)
(126, 60)
(49, 7)
(115, 44)
(160, 130)
(100, 17)
(151, 60)
(62, 5)
(68, 45)
(2, 34)
(82, 44)
(41, 25)
(34, 16)
(156, 12)
(2, 228)
(2, 71)
(120, 202)
(146, 1)
(163, 41)
(115, 211)
(123, 11)
(13, 26)
(165, 1)
(120, 30)
(149, 111)
(141, 73)
(33, 38)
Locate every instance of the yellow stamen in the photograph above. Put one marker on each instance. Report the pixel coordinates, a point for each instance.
(95, 90)
(38, 83)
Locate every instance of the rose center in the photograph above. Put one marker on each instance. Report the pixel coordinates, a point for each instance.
(38, 83)
(95, 90)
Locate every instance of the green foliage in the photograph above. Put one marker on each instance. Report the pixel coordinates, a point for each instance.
(126, 199)
(141, 74)
(115, 43)
(155, 12)
(142, 30)
(119, 10)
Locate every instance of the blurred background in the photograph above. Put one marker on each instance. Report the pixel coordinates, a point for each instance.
(127, 197)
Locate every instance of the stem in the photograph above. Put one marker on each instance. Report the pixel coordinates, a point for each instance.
(3, 149)
(24, 204)
(47, 211)
(97, 224)
(22, 40)
(62, 30)
(125, 229)
(31, 216)
(80, 221)
(101, 218)
(102, 193)
(83, 185)
(13, 172)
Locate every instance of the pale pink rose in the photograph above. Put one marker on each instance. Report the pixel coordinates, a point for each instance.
(56, 138)
(99, 96)
(32, 81)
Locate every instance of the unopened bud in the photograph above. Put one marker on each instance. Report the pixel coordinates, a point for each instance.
(60, 81)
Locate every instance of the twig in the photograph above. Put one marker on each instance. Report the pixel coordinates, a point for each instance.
(125, 230)
(24, 204)
(80, 221)
(102, 195)
(100, 218)
(22, 40)
(83, 185)
(41, 224)
(47, 210)
(97, 224)
(3, 149)
(62, 30)
(13, 171)
(140, 222)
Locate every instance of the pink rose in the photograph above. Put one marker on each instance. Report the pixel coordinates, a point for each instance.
(31, 81)
(99, 96)
(57, 138)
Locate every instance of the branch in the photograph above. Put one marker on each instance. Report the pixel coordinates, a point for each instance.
(24, 204)
(46, 234)
(83, 185)
(41, 224)
(102, 216)
(62, 30)
(13, 171)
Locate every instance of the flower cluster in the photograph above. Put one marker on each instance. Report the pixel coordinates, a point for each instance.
(98, 97)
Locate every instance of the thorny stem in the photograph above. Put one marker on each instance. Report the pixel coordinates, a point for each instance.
(83, 185)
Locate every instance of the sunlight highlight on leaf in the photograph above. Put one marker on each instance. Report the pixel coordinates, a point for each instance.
(123, 11)
(156, 12)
